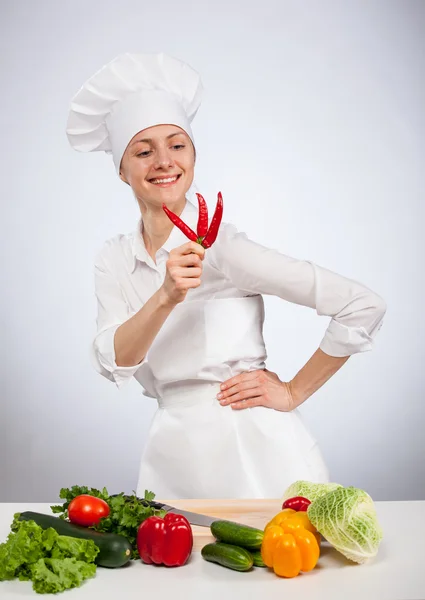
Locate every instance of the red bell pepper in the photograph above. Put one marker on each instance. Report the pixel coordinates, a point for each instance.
(298, 503)
(166, 541)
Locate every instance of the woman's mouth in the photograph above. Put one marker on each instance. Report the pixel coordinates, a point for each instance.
(165, 181)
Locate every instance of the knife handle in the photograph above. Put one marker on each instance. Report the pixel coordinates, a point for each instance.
(156, 505)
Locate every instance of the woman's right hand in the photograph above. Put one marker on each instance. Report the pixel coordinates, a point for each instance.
(184, 270)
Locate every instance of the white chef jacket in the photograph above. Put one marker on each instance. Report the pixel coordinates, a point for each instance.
(235, 267)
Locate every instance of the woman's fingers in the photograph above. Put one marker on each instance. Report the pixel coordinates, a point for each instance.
(245, 390)
(189, 260)
(257, 388)
(242, 391)
(183, 271)
(250, 403)
(190, 248)
(188, 272)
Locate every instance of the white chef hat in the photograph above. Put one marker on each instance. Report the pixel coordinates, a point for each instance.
(131, 93)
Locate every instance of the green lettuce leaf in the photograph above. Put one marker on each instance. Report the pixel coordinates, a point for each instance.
(52, 575)
(347, 518)
(69, 547)
(23, 547)
(49, 538)
(23, 573)
(309, 490)
(53, 562)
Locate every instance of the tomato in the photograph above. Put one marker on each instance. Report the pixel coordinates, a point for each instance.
(87, 510)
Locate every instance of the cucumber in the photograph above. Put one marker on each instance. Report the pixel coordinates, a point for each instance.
(237, 534)
(115, 550)
(258, 559)
(232, 557)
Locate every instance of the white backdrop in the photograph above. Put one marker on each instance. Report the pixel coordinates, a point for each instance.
(312, 127)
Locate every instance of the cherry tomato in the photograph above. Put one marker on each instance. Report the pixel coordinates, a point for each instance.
(87, 510)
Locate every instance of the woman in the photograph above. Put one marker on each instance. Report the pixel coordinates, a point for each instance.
(187, 322)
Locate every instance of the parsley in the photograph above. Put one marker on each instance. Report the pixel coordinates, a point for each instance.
(127, 512)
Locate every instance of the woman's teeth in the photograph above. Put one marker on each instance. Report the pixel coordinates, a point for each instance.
(168, 180)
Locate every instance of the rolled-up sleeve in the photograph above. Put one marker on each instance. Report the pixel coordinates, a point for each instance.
(356, 311)
(112, 311)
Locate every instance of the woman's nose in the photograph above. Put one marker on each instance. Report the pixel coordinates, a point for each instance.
(164, 160)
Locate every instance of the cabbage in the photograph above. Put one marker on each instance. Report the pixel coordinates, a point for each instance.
(347, 519)
(309, 490)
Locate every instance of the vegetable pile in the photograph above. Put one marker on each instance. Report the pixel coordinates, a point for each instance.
(95, 529)
(345, 516)
(288, 545)
(125, 516)
(290, 542)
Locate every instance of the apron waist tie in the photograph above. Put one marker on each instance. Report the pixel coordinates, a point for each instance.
(205, 393)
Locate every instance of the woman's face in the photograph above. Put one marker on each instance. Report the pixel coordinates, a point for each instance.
(158, 164)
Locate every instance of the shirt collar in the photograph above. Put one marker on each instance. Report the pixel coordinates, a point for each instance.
(175, 239)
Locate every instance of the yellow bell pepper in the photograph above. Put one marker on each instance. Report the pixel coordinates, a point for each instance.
(281, 516)
(294, 519)
(289, 549)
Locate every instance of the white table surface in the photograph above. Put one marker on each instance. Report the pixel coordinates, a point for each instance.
(397, 573)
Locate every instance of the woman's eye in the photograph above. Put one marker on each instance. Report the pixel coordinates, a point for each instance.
(144, 153)
(178, 146)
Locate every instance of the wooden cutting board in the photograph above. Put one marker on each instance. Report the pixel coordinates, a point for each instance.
(256, 513)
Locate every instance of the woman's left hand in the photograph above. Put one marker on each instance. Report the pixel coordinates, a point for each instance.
(257, 388)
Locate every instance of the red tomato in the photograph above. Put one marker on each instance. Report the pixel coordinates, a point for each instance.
(87, 510)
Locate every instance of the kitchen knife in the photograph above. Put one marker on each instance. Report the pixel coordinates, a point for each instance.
(193, 518)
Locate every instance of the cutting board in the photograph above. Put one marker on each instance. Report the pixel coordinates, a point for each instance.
(256, 513)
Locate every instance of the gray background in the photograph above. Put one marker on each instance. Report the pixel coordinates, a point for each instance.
(312, 127)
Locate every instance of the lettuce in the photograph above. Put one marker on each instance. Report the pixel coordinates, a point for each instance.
(52, 575)
(53, 562)
(309, 490)
(347, 519)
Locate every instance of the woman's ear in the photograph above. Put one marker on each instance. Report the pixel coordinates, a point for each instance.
(122, 177)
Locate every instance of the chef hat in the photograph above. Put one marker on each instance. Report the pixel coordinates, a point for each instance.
(131, 93)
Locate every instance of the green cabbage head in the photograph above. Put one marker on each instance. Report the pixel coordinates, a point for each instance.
(347, 519)
(309, 490)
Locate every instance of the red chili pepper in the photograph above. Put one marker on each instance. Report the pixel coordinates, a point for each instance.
(203, 217)
(166, 541)
(298, 503)
(211, 236)
(181, 224)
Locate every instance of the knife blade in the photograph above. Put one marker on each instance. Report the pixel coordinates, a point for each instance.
(193, 518)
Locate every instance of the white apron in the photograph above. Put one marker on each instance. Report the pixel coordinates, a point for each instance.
(197, 448)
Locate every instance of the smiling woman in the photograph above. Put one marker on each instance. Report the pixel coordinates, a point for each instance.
(163, 158)
(226, 427)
